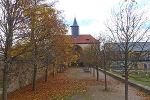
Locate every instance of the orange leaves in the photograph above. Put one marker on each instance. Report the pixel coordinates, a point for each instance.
(57, 88)
(16, 50)
(63, 50)
(143, 95)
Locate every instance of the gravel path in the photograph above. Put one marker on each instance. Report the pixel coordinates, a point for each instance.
(116, 89)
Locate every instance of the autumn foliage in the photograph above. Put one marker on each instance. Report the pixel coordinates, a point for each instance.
(57, 88)
(36, 36)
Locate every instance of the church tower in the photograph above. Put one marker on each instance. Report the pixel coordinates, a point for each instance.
(75, 29)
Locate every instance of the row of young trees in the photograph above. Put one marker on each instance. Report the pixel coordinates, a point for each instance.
(34, 31)
(127, 27)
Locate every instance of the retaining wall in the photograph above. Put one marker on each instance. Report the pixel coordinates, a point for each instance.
(19, 75)
(142, 88)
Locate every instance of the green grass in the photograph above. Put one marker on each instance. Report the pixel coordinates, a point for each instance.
(140, 81)
(117, 72)
(140, 78)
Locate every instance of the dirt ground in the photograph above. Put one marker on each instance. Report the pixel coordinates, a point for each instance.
(116, 89)
(75, 84)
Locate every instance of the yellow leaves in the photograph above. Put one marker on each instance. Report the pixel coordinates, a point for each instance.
(143, 54)
(42, 70)
(15, 51)
(111, 46)
(56, 62)
(42, 56)
(66, 63)
(131, 53)
(110, 70)
(24, 40)
(74, 58)
(146, 74)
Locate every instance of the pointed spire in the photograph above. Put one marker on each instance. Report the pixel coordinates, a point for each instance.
(75, 22)
(75, 29)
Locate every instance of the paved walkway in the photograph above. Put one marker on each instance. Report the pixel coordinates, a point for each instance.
(116, 89)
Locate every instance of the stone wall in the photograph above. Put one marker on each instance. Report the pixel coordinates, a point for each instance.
(20, 75)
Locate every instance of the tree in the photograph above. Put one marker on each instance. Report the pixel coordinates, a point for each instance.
(128, 27)
(46, 24)
(87, 57)
(66, 51)
(90, 56)
(12, 30)
(96, 53)
(32, 11)
(104, 56)
(28, 29)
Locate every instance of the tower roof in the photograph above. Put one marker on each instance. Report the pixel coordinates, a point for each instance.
(75, 22)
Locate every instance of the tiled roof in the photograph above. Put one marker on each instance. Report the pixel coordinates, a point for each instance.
(84, 39)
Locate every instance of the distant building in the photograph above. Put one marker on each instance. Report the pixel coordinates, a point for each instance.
(80, 39)
(140, 52)
(137, 47)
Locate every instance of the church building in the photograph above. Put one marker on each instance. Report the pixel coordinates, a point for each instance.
(80, 39)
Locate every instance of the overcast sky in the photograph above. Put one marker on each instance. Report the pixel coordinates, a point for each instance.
(90, 14)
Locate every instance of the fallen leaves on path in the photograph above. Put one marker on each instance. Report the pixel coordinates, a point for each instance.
(58, 88)
(143, 95)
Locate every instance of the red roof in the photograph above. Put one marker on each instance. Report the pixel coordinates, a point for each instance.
(84, 39)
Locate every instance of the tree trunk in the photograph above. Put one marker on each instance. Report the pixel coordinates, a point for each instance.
(34, 77)
(105, 79)
(61, 69)
(97, 73)
(90, 69)
(93, 72)
(126, 72)
(53, 73)
(46, 75)
(126, 84)
(5, 79)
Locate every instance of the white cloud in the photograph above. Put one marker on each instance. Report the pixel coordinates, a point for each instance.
(85, 9)
(97, 11)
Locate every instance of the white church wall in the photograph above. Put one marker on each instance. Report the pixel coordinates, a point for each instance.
(84, 45)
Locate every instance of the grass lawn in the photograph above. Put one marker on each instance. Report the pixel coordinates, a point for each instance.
(139, 77)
